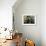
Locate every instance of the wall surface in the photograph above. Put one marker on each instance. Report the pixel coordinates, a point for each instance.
(32, 32)
(6, 13)
(43, 22)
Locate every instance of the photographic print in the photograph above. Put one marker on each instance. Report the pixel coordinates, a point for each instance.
(29, 20)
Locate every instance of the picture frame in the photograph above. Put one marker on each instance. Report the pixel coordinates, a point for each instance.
(28, 19)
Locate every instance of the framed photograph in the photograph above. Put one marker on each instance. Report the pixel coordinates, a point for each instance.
(28, 20)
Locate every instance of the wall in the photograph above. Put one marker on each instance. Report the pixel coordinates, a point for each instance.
(32, 32)
(6, 13)
(43, 22)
